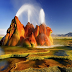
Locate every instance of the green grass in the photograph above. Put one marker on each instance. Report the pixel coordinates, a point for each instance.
(39, 55)
(13, 55)
(19, 55)
(65, 42)
(47, 57)
(1, 38)
(63, 38)
(20, 52)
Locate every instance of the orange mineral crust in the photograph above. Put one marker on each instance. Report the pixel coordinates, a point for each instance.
(42, 29)
(30, 41)
(29, 28)
(36, 31)
(27, 36)
(43, 39)
(20, 28)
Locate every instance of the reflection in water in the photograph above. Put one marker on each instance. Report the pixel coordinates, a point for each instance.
(1, 51)
(3, 63)
(60, 53)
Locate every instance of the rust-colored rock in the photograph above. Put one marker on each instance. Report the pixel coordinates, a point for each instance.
(36, 31)
(30, 41)
(15, 39)
(43, 39)
(27, 36)
(15, 33)
(42, 29)
(48, 33)
(20, 28)
(6, 39)
(28, 29)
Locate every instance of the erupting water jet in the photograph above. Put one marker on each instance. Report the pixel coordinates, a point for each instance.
(29, 13)
(42, 16)
(32, 11)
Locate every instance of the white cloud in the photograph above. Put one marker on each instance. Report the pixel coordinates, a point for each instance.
(3, 31)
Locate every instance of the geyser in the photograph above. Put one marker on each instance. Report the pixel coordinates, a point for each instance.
(29, 13)
(42, 16)
(30, 35)
(32, 11)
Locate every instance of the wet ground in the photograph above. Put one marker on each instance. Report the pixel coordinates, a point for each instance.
(22, 63)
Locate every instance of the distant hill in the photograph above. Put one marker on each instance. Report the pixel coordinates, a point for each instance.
(56, 35)
(63, 35)
(2, 35)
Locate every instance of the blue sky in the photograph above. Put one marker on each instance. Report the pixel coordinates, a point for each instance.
(58, 13)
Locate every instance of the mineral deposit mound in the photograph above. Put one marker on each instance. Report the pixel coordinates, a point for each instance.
(28, 36)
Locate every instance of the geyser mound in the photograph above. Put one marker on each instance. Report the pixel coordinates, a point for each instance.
(28, 36)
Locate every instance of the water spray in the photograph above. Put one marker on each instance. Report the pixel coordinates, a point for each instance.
(42, 16)
(32, 11)
(29, 13)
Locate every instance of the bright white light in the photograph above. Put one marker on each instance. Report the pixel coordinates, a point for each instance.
(49, 46)
(32, 11)
(42, 16)
(29, 13)
(2, 31)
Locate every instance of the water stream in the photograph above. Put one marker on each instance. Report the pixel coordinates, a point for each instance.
(3, 63)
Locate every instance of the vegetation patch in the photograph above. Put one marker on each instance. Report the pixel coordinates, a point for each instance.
(1, 38)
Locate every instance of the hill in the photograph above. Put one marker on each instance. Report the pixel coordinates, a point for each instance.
(62, 35)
